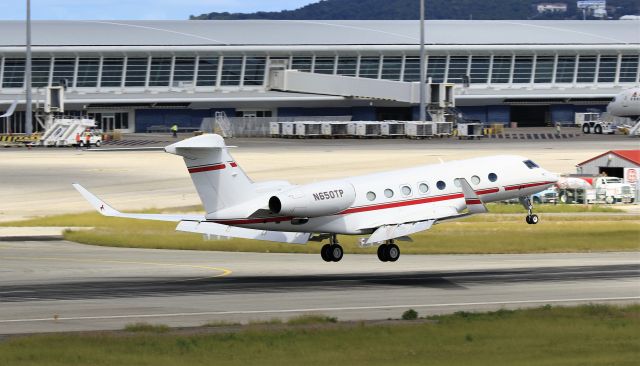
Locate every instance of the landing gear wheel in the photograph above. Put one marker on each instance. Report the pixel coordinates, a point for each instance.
(392, 252)
(528, 219)
(324, 252)
(533, 219)
(382, 253)
(335, 252)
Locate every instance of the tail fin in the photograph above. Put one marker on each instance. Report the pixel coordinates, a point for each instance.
(217, 177)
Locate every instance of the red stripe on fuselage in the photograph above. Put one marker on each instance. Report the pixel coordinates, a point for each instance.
(473, 202)
(526, 185)
(207, 168)
(234, 164)
(363, 208)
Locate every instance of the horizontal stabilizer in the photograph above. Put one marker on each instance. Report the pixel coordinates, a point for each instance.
(471, 198)
(388, 232)
(106, 210)
(213, 228)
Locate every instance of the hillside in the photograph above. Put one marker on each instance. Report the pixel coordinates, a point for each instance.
(436, 9)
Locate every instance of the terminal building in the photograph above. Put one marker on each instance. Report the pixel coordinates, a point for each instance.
(131, 75)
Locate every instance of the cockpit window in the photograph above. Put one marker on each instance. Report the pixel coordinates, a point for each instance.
(530, 164)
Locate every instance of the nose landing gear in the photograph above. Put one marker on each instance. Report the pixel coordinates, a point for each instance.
(332, 252)
(531, 218)
(388, 252)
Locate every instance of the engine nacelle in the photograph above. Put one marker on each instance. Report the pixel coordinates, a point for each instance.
(314, 200)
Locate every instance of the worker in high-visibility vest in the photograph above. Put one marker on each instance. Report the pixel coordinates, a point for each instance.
(174, 130)
(78, 139)
(88, 138)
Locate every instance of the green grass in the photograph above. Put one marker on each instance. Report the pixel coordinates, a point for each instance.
(584, 335)
(146, 327)
(489, 233)
(547, 208)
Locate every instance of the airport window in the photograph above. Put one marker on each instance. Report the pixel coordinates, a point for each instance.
(231, 70)
(475, 180)
(112, 72)
(13, 73)
(371, 196)
(324, 65)
(88, 69)
(207, 71)
(347, 66)
(391, 67)
(423, 187)
(121, 121)
(456, 182)
(457, 69)
(412, 68)
(40, 72)
(183, 70)
(441, 185)
(64, 69)
(436, 68)
(501, 69)
(522, 69)
(586, 69)
(136, 72)
(628, 69)
(607, 69)
(565, 69)
(493, 177)
(479, 69)
(369, 67)
(406, 190)
(544, 69)
(160, 71)
(388, 193)
(254, 70)
(530, 164)
(301, 64)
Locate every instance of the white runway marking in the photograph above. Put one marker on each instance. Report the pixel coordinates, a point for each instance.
(349, 308)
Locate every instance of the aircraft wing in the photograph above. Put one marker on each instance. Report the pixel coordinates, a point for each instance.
(196, 223)
(106, 210)
(212, 228)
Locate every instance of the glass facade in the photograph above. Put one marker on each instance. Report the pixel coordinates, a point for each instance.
(136, 72)
(544, 69)
(112, 70)
(457, 69)
(347, 66)
(565, 69)
(501, 69)
(324, 65)
(479, 69)
(231, 71)
(254, 72)
(88, 69)
(436, 68)
(391, 67)
(206, 71)
(369, 67)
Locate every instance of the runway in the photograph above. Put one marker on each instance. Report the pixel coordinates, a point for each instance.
(60, 286)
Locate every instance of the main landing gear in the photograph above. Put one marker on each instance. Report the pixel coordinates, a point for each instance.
(332, 252)
(531, 218)
(388, 252)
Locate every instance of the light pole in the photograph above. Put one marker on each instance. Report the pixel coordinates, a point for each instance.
(423, 112)
(28, 128)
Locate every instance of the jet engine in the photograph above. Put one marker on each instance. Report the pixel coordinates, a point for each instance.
(314, 200)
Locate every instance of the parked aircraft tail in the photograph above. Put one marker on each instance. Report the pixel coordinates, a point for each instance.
(220, 182)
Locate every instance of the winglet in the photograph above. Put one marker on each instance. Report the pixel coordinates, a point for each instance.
(97, 203)
(471, 198)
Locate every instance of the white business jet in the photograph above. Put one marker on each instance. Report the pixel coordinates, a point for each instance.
(386, 206)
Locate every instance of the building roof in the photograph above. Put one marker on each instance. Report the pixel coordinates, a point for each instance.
(52, 33)
(629, 155)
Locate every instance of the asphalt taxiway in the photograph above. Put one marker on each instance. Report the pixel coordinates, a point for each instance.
(57, 286)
